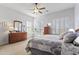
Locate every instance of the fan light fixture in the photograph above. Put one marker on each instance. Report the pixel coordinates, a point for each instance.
(37, 9)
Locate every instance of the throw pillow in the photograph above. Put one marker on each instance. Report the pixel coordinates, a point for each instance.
(69, 37)
(76, 41)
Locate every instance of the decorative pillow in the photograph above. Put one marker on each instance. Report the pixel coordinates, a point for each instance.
(77, 33)
(76, 41)
(62, 35)
(69, 37)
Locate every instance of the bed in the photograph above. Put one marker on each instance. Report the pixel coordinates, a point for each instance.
(45, 45)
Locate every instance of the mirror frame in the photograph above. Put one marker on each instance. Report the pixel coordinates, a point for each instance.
(19, 28)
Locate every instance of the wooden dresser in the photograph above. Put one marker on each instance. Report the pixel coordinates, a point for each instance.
(17, 36)
(47, 30)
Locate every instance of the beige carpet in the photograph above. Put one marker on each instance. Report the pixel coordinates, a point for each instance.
(14, 49)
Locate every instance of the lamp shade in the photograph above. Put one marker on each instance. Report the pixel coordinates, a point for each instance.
(49, 24)
(11, 28)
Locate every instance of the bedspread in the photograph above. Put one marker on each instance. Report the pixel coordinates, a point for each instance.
(53, 46)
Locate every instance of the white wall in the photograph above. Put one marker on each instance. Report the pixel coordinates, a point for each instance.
(8, 15)
(65, 15)
(77, 16)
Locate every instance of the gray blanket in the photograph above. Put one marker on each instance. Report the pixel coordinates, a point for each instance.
(69, 49)
(52, 46)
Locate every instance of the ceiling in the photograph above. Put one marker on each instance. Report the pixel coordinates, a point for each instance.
(25, 7)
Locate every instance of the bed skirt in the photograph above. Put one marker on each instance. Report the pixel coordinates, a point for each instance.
(39, 52)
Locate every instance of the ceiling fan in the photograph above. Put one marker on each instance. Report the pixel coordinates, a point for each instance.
(38, 9)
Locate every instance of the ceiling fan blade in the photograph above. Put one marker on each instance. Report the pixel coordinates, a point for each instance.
(42, 8)
(40, 12)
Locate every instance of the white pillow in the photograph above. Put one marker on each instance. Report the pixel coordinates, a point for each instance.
(71, 30)
(76, 41)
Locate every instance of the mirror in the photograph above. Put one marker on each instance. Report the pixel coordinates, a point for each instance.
(17, 26)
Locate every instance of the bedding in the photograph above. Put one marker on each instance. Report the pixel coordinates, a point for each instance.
(76, 41)
(69, 37)
(69, 49)
(47, 43)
